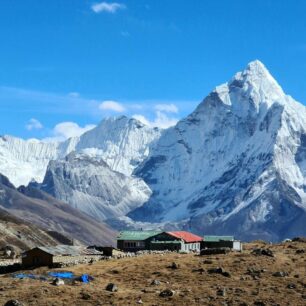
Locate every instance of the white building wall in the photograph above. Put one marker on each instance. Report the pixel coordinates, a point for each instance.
(237, 246)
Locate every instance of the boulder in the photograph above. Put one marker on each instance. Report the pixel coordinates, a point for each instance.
(13, 303)
(219, 271)
(280, 274)
(111, 287)
(263, 252)
(174, 266)
(167, 293)
(155, 282)
(221, 292)
(58, 282)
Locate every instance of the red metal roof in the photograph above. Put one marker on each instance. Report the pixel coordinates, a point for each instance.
(186, 236)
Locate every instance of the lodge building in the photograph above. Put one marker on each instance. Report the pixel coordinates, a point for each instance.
(132, 241)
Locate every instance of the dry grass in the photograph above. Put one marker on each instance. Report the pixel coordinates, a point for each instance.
(133, 276)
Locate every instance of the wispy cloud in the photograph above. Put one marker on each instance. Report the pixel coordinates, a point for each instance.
(161, 120)
(33, 124)
(168, 108)
(152, 114)
(38, 104)
(107, 7)
(65, 130)
(112, 106)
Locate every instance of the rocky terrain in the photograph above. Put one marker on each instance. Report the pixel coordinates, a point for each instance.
(20, 234)
(90, 185)
(262, 275)
(37, 207)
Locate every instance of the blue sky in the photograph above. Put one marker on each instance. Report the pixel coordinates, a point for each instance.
(79, 61)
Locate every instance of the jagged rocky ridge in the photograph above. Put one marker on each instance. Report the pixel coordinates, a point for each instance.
(90, 185)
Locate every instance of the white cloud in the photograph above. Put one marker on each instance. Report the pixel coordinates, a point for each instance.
(112, 106)
(33, 124)
(65, 130)
(168, 108)
(142, 119)
(108, 7)
(161, 120)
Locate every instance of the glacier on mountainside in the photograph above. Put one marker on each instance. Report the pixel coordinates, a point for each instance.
(239, 158)
(122, 142)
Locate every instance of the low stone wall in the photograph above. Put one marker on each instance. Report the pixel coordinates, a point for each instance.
(9, 262)
(12, 265)
(68, 261)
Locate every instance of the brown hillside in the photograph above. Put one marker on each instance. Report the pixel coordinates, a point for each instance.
(250, 280)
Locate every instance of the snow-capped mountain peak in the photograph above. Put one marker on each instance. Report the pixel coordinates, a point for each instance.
(257, 78)
(247, 93)
(122, 142)
(239, 158)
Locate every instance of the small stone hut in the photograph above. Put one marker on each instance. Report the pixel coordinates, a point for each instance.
(47, 256)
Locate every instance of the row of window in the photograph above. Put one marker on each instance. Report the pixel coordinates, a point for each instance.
(134, 244)
(141, 244)
(192, 246)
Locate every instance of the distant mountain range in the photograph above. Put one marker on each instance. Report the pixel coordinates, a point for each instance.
(236, 165)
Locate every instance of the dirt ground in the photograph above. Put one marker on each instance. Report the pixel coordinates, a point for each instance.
(249, 281)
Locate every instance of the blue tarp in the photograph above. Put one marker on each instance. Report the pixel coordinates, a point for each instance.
(68, 275)
(84, 278)
(23, 275)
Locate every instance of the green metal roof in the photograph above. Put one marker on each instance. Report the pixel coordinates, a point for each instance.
(211, 238)
(136, 235)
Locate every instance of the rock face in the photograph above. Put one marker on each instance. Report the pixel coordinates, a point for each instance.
(90, 185)
(24, 160)
(239, 158)
(122, 143)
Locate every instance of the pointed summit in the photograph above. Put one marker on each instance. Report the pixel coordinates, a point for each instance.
(246, 92)
(257, 67)
(256, 77)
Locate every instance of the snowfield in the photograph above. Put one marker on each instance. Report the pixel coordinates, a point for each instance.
(238, 159)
